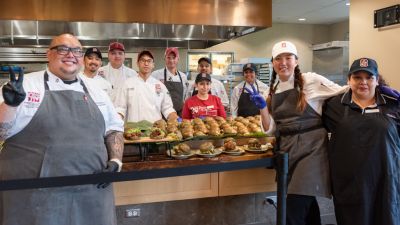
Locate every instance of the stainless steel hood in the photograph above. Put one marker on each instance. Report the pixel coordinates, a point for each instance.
(19, 33)
(136, 23)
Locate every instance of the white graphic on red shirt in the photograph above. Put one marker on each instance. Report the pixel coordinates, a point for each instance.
(203, 111)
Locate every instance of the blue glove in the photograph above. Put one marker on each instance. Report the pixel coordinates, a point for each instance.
(386, 90)
(256, 98)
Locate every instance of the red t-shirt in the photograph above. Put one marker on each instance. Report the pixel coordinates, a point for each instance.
(195, 107)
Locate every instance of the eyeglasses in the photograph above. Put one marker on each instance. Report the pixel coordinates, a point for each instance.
(146, 61)
(64, 50)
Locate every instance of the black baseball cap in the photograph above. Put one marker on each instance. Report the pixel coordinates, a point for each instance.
(145, 52)
(249, 66)
(93, 51)
(206, 59)
(202, 76)
(364, 64)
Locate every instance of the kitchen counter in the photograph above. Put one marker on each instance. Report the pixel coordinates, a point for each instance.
(167, 179)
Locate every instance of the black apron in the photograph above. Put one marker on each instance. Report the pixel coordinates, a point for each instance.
(301, 135)
(65, 137)
(175, 89)
(245, 106)
(364, 156)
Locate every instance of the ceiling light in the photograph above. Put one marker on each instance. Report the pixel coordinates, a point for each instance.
(348, 3)
(302, 19)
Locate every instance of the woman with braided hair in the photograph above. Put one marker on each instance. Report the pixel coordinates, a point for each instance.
(294, 111)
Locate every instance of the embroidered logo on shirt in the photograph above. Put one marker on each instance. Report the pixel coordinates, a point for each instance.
(32, 100)
(101, 73)
(158, 88)
(33, 97)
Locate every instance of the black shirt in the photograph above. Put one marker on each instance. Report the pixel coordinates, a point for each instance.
(333, 109)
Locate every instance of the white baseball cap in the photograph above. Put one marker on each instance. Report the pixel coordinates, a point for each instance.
(283, 47)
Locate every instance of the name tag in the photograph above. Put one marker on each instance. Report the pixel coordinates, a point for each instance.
(372, 111)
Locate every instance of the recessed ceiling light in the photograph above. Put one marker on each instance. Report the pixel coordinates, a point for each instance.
(348, 3)
(302, 19)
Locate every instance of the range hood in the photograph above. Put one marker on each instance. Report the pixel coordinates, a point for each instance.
(136, 23)
(19, 33)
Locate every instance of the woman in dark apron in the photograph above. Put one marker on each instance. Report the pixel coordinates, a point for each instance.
(364, 150)
(245, 107)
(294, 112)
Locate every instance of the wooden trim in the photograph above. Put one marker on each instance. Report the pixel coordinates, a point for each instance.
(246, 181)
(166, 189)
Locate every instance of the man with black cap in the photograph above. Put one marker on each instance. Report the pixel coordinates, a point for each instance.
(115, 71)
(143, 97)
(175, 81)
(204, 65)
(92, 62)
(203, 104)
(364, 149)
(240, 98)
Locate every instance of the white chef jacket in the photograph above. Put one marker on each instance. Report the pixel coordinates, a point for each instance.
(116, 77)
(143, 100)
(159, 75)
(217, 89)
(237, 91)
(34, 88)
(316, 90)
(102, 83)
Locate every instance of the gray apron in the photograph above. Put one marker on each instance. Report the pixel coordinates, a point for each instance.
(245, 106)
(65, 137)
(175, 89)
(301, 135)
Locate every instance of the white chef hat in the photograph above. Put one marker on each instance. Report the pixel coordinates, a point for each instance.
(283, 47)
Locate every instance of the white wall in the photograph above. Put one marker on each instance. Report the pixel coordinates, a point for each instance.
(339, 31)
(260, 44)
(381, 44)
